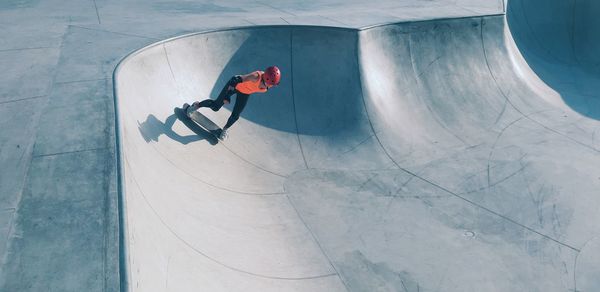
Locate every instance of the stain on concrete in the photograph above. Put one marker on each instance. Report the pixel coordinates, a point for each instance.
(193, 7)
(18, 4)
(362, 274)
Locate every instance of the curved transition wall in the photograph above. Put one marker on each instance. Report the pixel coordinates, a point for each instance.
(560, 41)
(422, 156)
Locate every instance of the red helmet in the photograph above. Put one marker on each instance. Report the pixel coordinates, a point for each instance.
(272, 76)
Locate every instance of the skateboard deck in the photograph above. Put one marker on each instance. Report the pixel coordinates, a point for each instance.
(204, 122)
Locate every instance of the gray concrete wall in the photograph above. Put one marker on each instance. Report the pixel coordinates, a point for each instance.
(560, 43)
(58, 217)
(58, 170)
(423, 156)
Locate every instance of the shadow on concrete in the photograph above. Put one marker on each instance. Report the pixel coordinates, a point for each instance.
(557, 44)
(328, 103)
(269, 109)
(152, 128)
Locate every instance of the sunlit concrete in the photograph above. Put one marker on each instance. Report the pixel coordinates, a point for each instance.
(418, 156)
(418, 190)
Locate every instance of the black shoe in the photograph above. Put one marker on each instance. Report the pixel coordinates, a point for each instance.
(185, 109)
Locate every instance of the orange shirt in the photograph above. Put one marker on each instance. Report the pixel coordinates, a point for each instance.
(249, 87)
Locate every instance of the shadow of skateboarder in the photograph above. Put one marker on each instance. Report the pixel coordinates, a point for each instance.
(152, 128)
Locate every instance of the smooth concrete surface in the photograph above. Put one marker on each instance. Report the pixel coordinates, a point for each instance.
(58, 172)
(417, 156)
(562, 49)
(58, 168)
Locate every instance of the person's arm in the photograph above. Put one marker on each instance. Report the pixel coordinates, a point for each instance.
(242, 78)
(250, 77)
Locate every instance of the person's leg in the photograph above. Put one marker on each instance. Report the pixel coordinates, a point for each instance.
(240, 102)
(216, 104)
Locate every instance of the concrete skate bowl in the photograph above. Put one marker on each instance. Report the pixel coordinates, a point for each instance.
(560, 41)
(423, 156)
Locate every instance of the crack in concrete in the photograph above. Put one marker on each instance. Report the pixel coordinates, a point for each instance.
(275, 8)
(23, 99)
(97, 13)
(114, 32)
(294, 98)
(69, 152)
(27, 49)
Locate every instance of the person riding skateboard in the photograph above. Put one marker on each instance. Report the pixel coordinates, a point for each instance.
(243, 86)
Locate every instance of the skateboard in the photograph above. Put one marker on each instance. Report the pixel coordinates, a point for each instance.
(203, 122)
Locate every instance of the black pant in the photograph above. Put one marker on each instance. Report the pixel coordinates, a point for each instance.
(240, 103)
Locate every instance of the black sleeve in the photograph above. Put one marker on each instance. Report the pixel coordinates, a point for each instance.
(235, 80)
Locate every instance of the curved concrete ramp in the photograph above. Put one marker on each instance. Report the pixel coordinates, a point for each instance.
(420, 156)
(560, 41)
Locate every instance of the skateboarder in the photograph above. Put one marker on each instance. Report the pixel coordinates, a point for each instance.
(243, 86)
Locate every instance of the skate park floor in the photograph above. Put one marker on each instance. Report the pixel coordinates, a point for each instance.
(501, 198)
